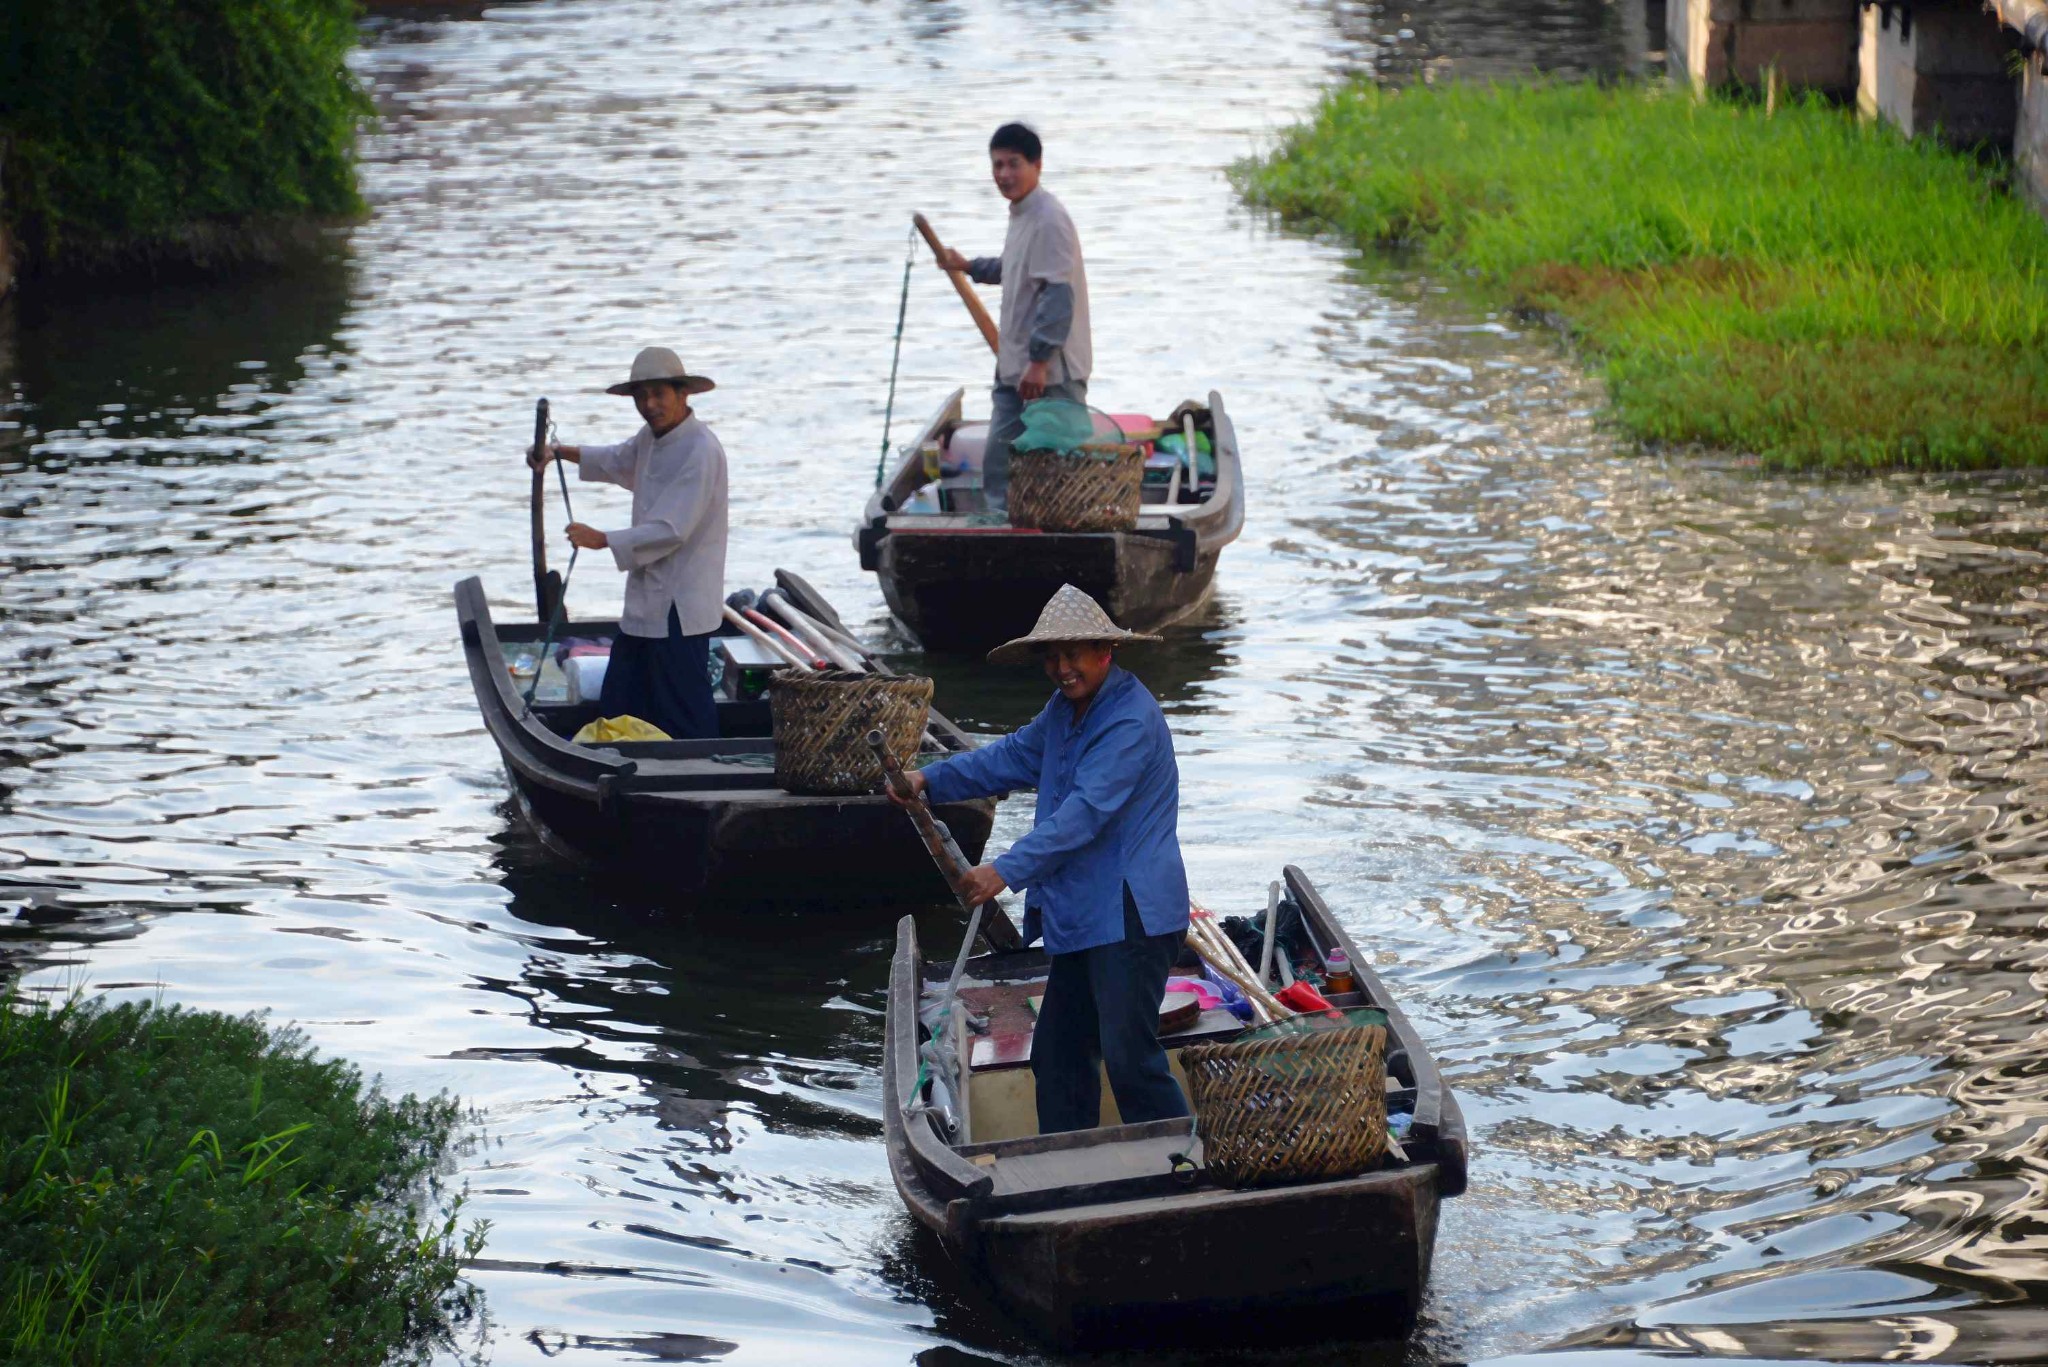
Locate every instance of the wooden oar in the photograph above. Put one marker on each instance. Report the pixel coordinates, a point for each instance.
(960, 283)
(543, 605)
(762, 638)
(989, 917)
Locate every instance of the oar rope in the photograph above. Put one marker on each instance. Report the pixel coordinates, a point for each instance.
(902, 307)
(561, 604)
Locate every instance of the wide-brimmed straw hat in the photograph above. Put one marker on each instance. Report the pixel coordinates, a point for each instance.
(659, 363)
(1069, 616)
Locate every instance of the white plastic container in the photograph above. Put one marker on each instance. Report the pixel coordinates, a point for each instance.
(586, 676)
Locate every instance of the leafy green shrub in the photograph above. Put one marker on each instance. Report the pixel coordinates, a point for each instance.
(186, 1187)
(1818, 291)
(143, 132)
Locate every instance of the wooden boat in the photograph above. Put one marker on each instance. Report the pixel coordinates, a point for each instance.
(686, 818)
(1110, 1234)
(957, 583)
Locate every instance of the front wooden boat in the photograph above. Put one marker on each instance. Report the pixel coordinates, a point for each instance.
(958, 584)
(1105, 1235)
(691, 818)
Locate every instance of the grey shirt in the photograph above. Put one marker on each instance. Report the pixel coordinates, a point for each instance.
(1045, 293)
(674, 553)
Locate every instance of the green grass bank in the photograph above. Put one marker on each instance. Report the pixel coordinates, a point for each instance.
(1796, 285)
(185, 1187)
(169, 134)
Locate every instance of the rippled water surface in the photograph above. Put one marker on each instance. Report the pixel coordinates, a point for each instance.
(1697, 817)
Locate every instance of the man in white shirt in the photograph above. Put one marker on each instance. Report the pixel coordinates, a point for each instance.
(673, 554)
(1043, 346)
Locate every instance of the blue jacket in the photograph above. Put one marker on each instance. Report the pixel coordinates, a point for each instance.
(1108, 815)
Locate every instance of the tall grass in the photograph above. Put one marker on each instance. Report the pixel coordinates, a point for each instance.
(1814, 290)
(185, 1187)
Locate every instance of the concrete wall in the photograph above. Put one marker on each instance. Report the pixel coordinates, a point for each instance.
(1939, 67)
(1811, 43)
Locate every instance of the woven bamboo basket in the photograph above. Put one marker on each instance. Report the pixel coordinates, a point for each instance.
(1095, 488)
(822, 722)
(1291, 1106)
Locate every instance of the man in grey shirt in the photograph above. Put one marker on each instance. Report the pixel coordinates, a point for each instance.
(1043, 349)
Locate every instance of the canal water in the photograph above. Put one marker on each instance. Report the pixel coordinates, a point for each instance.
(1696, 816)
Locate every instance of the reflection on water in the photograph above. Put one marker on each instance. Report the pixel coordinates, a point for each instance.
(1695, 814)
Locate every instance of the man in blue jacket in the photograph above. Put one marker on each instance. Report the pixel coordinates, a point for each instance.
(1101, 867)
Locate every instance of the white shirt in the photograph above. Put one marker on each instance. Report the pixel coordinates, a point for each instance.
(1041, 248)
(674, 553)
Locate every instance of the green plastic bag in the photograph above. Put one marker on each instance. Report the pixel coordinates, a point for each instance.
(1061, 426)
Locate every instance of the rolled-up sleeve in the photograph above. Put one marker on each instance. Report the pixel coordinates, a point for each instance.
(1001, 766)
(1104, 778)
(1052, 318)
(986, 270)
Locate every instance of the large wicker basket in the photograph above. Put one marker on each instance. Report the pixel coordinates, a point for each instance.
(1095, 488)
(822, 722)
(1291, 1106)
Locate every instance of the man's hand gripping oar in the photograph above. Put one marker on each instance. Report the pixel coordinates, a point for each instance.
(986, 917)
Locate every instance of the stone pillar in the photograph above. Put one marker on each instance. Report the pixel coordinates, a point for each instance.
(1811, 43)
(2030, 137)
(2028, 19)
(1939, 66)
(6, 242)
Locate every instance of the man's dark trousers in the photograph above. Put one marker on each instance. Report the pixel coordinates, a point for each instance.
(1102, 1006)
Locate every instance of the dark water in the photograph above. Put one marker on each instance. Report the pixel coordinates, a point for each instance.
(1696, 816)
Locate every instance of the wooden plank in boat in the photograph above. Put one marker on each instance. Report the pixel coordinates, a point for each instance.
(1091, 1166)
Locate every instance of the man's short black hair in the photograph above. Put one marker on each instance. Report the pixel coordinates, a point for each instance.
(1015, 137)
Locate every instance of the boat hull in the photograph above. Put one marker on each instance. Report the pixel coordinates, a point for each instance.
(1193, 1268)
(974, 590)
(789, 848)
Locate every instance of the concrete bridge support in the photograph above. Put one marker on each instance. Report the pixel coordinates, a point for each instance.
(2028, 19)
(1810, 43)
(1940, 68)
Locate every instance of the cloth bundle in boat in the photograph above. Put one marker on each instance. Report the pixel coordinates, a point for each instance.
(1301, 1098)
(822, 722)
(1071, 471)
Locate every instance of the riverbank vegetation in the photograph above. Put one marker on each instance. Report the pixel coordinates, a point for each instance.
(1791, 284)
(163, 134)
(187, 1187)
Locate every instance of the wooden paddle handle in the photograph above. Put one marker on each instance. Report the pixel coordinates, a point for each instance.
(995, 925)
(543, 608)
(962, 284)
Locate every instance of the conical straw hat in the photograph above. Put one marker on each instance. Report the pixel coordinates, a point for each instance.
(1069, 615)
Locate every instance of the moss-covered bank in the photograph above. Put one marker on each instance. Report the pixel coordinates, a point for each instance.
(158, 134)
(1818, 292)
(185, 1187)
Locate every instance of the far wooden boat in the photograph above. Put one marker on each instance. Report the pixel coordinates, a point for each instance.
(1109, 1234)
(686, 818)
(958, 583)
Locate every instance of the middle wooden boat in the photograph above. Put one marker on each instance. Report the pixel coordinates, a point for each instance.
(958, 579)
(691, 818)
(1120, 1233)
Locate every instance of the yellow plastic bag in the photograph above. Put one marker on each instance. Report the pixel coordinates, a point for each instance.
(609, 729)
